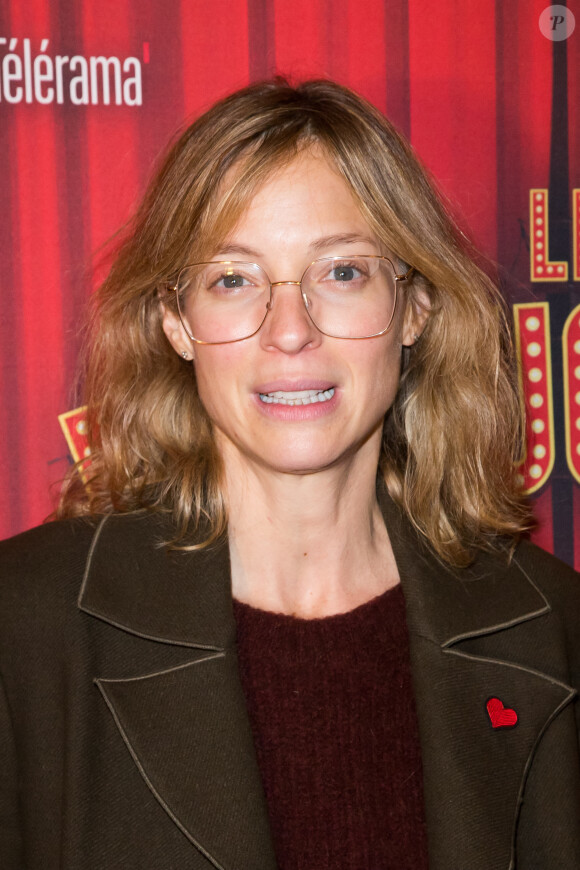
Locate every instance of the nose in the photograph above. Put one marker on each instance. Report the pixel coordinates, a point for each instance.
(287, 326)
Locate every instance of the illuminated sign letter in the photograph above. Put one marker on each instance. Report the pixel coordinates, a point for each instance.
(541, 267)
(532, 322)
(576, 231)
(571, 360)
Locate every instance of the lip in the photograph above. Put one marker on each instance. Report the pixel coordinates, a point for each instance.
(296, 413)
(294, 386)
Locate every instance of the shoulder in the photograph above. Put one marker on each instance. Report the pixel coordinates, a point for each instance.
(60, 547)
(46, 547)
(41, 571)
(52, 558)
(554, 578)
(559, 584)
(42, 574)
(43, 554)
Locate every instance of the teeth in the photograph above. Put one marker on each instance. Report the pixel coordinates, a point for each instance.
(298, 397)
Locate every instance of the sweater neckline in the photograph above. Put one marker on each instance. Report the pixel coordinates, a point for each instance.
(363, 611)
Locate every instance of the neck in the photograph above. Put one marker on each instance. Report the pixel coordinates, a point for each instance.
(307, 544)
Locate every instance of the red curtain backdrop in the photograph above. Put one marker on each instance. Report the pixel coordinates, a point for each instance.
(490, 104)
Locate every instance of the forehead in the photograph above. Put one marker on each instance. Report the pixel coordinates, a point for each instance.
(299, 202)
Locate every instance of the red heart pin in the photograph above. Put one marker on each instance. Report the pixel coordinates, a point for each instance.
(500, 716)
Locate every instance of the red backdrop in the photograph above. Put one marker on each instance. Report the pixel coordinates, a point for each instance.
(90, 92)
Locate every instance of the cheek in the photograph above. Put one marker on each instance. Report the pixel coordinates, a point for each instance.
(383, 371)
(215, 370)
(383, 382)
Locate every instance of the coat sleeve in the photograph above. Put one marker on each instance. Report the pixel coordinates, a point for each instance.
(11, 857)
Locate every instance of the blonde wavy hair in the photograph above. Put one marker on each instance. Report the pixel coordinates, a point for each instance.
(454, 432)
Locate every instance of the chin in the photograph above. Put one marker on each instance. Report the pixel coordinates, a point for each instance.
(303, 459)
(297, 464)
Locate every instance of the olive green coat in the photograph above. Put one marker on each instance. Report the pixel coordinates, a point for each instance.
(124, 737)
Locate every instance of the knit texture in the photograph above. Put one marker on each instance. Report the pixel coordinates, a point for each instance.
(333, 716)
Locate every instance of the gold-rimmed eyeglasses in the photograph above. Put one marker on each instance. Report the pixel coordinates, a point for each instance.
(345, 297)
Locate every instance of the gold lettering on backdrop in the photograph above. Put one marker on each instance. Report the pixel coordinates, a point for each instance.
(541, 267)
(532, 327)
(571, 364)
(576, 231)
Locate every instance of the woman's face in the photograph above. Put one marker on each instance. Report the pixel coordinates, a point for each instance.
(303, 212)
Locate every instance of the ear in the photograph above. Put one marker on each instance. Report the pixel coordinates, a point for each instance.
(175, 332)
(416, 315)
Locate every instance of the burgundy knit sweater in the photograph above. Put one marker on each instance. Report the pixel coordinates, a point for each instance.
(333, 716)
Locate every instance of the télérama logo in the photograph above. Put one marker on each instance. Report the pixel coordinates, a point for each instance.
(31, 76)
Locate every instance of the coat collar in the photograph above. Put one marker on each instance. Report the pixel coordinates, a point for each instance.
(474, 777)
(447, 606)
(132, 581)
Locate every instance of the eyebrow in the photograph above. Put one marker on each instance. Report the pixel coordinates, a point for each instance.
(341, 239)
(316, 246)
(238, 249)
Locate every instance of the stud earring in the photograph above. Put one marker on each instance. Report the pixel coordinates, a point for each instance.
(184, 354)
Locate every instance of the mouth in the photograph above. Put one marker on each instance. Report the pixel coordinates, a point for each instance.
(297, 397)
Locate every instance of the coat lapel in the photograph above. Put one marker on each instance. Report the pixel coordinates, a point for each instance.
(472, 637)
(186, 725)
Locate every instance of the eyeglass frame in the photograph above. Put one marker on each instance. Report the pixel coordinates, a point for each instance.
(397, 276)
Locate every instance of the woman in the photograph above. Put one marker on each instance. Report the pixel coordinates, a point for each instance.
(286, 618)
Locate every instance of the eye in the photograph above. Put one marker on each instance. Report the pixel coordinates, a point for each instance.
(231, 281)
(344, 273)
